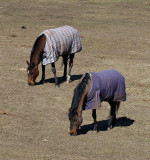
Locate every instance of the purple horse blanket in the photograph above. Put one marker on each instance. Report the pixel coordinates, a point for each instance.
(105, 86)
(60, 41)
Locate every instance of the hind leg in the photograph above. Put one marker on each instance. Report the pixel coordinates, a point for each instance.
(70, 67)
(114, 108)
(54, 72)
(94, 118)
(65, 61)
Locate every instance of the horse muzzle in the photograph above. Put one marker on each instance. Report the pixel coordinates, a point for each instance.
(31, 83)
(73, 132)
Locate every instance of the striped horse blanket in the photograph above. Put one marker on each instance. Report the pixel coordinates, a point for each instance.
(105, 86)
(60, 41)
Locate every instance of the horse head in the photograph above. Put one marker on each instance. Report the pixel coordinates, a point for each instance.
(33, 72)
(75, 112)
(75, 122)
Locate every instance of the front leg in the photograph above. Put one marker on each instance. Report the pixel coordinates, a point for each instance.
(54, 72)
(43, 75)
(95, 121)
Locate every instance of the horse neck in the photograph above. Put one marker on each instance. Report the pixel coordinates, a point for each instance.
(35, 58)
(80, 104)
(81, 101)
(38, 49)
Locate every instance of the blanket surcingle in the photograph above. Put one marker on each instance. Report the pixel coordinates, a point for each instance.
(60, 41)
(105, 86)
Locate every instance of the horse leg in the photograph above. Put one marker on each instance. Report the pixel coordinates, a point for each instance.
(70, 67)
(114, 108)
(43, 75)
(54, 72)
(95, 121)
(65, 61)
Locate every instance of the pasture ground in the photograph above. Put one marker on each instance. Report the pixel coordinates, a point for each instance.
(33, 120)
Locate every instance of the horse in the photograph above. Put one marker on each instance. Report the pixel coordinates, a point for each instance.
(92, 89)
(49, 46)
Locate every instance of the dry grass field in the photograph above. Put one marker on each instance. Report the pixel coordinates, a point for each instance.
(33, 119)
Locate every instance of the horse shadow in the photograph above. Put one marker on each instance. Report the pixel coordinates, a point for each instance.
(61, 80)
(102, 125)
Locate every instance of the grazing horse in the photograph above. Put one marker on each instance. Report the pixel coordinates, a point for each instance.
(92, 89)
(48, 47)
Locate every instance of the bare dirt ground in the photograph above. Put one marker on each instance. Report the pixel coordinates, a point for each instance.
(33, 120)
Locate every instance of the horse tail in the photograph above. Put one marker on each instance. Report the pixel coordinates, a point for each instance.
(77, 95)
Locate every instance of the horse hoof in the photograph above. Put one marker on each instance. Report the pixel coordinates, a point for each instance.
(95, 131)
(41, 82)
(109, 128)
(68, 81)
(56, 86)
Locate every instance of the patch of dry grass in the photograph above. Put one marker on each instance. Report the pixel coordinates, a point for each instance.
(34, 123)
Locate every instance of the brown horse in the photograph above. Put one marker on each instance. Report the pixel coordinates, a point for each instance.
(92, 89)
(48, 47)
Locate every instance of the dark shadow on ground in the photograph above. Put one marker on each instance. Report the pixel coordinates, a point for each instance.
(61, 80)
(102, 125)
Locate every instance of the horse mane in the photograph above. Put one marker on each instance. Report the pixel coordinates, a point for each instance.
(34, 46)
(77, 95)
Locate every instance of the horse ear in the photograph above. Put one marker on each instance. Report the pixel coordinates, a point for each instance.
(27, 63)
